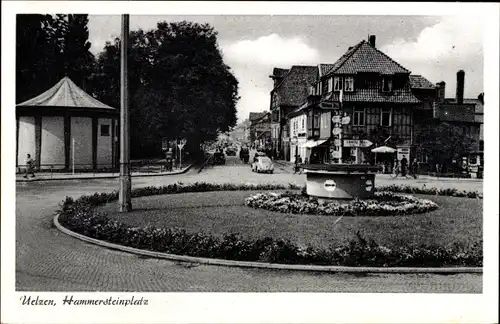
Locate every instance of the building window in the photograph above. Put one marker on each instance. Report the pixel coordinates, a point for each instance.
(337, 83)
(330, 84)
(302, 123)
(349, 84)
(317, 118)
(386, 84)
(386, 117)
(358, 117)
(104, 130)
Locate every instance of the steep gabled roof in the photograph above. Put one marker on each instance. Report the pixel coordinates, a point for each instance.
(365, 58)
(65, 94)
(324, 69)
(279, 73)
(419, 82)
(295, 85)
(254, 116)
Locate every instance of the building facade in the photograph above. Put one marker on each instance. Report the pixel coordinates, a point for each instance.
(260, 130)
(291, 86)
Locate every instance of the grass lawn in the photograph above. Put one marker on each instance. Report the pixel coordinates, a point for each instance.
(457, 220)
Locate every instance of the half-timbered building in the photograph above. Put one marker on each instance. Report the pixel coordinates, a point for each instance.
(373, 91)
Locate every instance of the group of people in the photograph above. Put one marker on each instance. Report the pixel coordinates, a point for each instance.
(404, 167)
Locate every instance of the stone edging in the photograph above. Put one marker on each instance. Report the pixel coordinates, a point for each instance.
(262, 265)
(186, 169)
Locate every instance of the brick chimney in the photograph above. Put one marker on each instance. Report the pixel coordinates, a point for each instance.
(460, 87)
(371, 40)
(441, 86)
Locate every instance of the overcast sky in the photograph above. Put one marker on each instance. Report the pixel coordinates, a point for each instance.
(432, 46)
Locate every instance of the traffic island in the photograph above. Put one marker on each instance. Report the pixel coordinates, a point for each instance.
(196, 223)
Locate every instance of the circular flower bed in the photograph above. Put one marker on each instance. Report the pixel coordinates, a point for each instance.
(383, 204)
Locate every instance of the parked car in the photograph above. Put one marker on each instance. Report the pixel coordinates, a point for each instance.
(219, 158)
(231, 151)
(262, 164)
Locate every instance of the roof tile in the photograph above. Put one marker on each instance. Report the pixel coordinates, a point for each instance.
(419, 82)
(364, 58)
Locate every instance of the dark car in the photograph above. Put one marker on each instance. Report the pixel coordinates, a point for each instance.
(219, 157)
(230, 151)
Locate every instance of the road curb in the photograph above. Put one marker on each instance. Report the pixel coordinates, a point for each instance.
(261, 265)
(186, 169)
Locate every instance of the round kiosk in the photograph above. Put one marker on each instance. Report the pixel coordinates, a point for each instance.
(340, 181)
(65, 127)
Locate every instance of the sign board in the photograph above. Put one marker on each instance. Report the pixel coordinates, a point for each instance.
(346, 120)
(403, 151)
(337, 142)
(336, 131)
(329, 185)
(336, 119)
(181, 146)
(164, 144)
(336, 154)
(357, 143)
(294, 141)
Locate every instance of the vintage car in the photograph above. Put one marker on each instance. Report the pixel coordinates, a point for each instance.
(219, 158)
(231, 151)
(262, 164)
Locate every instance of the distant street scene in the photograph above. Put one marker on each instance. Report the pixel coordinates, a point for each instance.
(192, 154)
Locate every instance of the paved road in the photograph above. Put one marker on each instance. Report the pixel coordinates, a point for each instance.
(47, 260)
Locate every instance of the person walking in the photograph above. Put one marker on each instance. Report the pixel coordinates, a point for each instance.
(404, 165)
(298, 162)
(414, 168)
(30, 163)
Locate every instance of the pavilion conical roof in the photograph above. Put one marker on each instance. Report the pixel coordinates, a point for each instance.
(65, 94)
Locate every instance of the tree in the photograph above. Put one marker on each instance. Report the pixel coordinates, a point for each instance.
(78, 61)
(48, 48)
(178, 83)
(442, 142)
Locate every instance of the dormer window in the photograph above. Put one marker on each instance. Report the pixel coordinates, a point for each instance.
(337, 83)
(349, 84)
(386, 84)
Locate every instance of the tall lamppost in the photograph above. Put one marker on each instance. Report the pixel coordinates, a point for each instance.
(125, 195)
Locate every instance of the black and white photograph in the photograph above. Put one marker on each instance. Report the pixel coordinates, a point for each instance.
(176, 150)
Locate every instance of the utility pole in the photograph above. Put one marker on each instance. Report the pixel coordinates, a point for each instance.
(125, 194)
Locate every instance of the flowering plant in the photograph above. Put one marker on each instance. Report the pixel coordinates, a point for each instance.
(382, 204)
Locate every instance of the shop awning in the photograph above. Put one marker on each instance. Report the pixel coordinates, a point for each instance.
(310, 144)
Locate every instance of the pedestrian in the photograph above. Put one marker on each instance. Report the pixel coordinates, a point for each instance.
(404, 165)
(314, 158)
(414, 167)
(298, 162)
(30, 163)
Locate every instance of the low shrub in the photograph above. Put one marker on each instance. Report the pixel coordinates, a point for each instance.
(452, 192)
(80, 216)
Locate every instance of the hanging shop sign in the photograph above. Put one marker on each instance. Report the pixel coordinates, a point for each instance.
(336, 131)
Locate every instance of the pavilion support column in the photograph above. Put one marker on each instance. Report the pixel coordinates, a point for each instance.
(38, 140)
(67, 141)
(17, 141)
(95, 125)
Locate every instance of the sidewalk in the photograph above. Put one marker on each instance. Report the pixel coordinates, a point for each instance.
(46, 176)
(289, 166)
